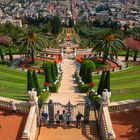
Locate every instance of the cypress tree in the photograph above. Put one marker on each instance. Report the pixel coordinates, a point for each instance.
(29, 80)
(36, 83)
(56, 69)
(87, 68)
(81, 68)
(101, 83)
(107, 81)
(1, 54)
(48, 73)
(53, 73)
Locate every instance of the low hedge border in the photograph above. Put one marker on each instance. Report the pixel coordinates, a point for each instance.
(54, 88)
(42, 98)
(96, 99)
(83, 88)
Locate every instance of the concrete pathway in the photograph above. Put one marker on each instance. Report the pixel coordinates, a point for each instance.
(68, 90)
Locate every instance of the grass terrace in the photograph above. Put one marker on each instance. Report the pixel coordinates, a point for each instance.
(13, 83)
(124, 84)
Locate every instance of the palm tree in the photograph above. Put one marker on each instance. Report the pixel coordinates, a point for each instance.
(108, 44)
(85, 44)
(53, 43)
(31, 43)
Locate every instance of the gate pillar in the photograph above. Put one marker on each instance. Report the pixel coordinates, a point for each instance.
(86, 112)
(51, 111)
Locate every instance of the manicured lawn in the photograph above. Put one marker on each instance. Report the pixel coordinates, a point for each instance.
(124, 84)
(13, 83)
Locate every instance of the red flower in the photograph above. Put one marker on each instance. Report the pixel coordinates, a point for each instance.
(91, 84)
(46, 84)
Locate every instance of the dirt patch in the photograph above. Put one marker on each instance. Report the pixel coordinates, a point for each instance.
(11, 126)
(126, 124)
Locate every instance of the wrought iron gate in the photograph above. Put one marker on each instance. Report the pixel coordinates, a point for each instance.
(52, 108)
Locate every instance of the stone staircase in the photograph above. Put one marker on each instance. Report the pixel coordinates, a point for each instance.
(68, 91)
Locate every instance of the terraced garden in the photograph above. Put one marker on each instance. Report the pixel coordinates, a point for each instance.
(13, 83)
(124, 84)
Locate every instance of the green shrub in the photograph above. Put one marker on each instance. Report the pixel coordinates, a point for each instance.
(42, 98)
(2, 62)
(36, 83)
(95, 99)
(83, 88)
(107, 81)
(48, 72)
(55, 87)
(86, 70)
(101, 83)
(30, 84)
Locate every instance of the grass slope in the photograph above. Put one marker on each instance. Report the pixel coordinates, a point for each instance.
(13, 83)
(124, 84)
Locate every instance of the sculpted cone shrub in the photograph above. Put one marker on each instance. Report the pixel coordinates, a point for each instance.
(36, 83)
(29, 80)
(101, 83)
(107, 81)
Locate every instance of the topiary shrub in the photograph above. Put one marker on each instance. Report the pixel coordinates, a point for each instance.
(101, 83)
(83, 88)
(107, 81)
(96, 99)
(42, 98)
(30, 84)
(36, 83)
(86, 70)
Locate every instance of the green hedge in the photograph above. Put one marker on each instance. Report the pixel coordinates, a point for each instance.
(42, 98)
(83, 88)
(95, 99)
(55, 87)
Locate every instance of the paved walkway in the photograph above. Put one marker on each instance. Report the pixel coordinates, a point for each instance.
(68, 90)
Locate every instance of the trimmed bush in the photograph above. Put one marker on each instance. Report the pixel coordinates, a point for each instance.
(29, 80)
(42, 98)
(95, 99)
(48, 72)
(101, 83)
(83, 88)
(56, 69)
(36, 83)
(55, 87)
(86, 70)
(53, 72)
(107, 81)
